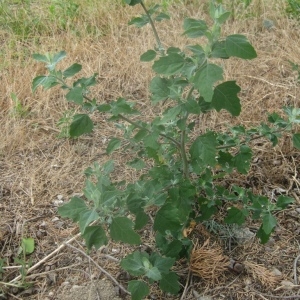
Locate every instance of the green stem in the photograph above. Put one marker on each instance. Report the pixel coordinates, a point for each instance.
(160, 46)
(176, 143)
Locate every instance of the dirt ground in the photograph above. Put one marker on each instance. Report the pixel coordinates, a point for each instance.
(39, 171)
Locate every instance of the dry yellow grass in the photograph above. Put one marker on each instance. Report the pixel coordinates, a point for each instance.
(36, 167)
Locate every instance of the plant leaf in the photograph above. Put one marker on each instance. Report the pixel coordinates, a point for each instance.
(239, 46)
(194, 28)
(204, 149)
(133, 263)
(148, 56)
(72, 70)
(169, 65)
(169, 283)
(75, 95)
(269, 222)
(72, 209)
(81, 124)
(141, 219)
(28, 245)
(296, 140)
(46, 82)
(153, 273)
(235, 215)
(160, 89)
(121, 230)
(113, 144)
(138, 289)
(205, 78)
(225, 96)
(283, 201)
(243, 159)
(40, 57)
(94, 236)
(86, 217)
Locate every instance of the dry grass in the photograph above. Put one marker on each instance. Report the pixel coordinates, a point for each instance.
(37, 168)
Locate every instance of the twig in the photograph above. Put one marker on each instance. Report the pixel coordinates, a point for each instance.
(295, 269)
(186, 286)
(47, 257)
(100, 268)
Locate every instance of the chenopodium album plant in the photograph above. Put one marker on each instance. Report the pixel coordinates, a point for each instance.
(181, 173)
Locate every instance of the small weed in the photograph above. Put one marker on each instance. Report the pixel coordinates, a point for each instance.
(18, 109)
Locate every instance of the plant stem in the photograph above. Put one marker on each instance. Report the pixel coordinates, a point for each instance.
(160, 46)
(176, 143)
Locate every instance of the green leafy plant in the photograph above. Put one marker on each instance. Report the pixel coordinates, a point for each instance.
(293, 8)
(18, 109)
(181, 178)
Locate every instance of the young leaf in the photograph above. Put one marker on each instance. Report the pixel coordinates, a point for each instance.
(264, 237)
(94, 236)
(235, 215)
(40, 57)
(46, 82)
(141, 219)
(139, 21)
(163, 264)
(133, 2)
(148, 56)
(238, 45)
(162, 16)
(204, 148)
(58, 57)
(134, 263)
(160, 89)
(27, 245)
(205, 78)
(113, 144)
(169, 65)
(72, 70)
(243, 159)
(169, 283)
(137, 164)
(138, 289)
(121, 230)
(75, 95)
(296, 140)
(219, 50)
(283, 201)
(225, 96)
(153, 273)
(269, 222)
(194, 28)
(86, 217)
(72, 209)
(81, 124)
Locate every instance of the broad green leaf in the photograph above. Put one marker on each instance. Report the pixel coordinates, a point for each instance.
(75, 95)
(133, 2)
(134, 263)
(141, 219)
(86, 82)
(73, 209)
(235, 215)
(72, 70)
(139, 21)
(140, 135)
(205, 79)
(40, 57)
(58, 57)
(86, 218)
(104, 107)
(113, 144)
(283, 201)
(170, 114)
(121, 230)
(219, 50)
(137, 164)
(239, 46)
(121, 106)
(163, 264)
(153, 273)
(225, 96)
(28, 245)
(138, 289)
(81, 124)
(197, 50)
(269, 222)
(296, 140)
(223, 17)
(92, 192)
(204, 148)
(168, 218)
(169, 283)
(160, 89)
(162, 16)
(148, 56)
(94, 236)
(243, 159)
(169, 65)
(264, 237)
(194, 28)
(192, 107)
(46, 82)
